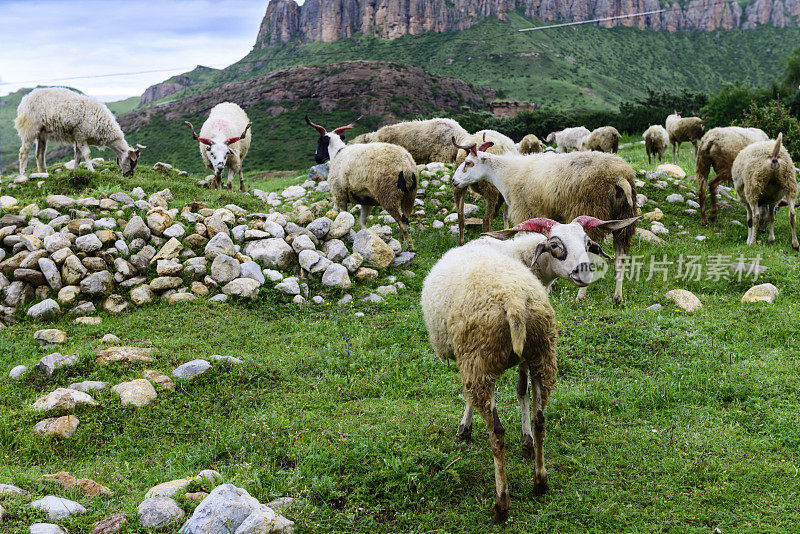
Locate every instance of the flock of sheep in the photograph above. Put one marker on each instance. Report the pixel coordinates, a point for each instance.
(485, 303)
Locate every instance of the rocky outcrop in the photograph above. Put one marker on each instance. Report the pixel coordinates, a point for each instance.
(175, 84)
(373, 88)
(329, 20)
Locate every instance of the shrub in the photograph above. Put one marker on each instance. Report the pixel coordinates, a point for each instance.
(775, 118)
(730, 103)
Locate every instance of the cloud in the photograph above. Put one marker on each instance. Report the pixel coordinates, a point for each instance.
(49, 41)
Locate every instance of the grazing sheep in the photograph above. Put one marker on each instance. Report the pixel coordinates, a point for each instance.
(656, 141)
(562, 187)
(63, 116)
(530, 144)
(603, 139)
(494, 201)
(372, 174)
(427, 140)
(683, 129)
(361, 139)
(227, 124)
(486, 308)
(718, 149)
(763, 173)
(569, 139)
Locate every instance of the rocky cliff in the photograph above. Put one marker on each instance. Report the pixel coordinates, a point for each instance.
(175, 84)
(329, 20)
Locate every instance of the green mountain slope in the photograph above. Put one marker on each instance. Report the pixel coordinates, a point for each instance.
(578, 67)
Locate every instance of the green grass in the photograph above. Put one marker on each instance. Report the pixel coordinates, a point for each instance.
(661, 421)
(121, 107)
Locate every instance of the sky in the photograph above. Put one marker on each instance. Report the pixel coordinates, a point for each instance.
(44, 42)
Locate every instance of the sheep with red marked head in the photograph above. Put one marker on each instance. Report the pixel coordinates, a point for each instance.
(371, 174)
(486, 307)
(562, 187)
(224, 141)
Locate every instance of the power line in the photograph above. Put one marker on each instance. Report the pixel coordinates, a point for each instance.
(617, 17)
(110, 75)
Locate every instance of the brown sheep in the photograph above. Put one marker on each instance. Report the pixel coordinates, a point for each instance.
(530, 144)
(427, 140)
(603, 139)
(718, 149)
(763, 173)
(656, 141)
(684, 129)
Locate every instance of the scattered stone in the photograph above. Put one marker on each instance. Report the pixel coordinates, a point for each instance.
(761, 293)
(221, 244)
(45, 528)
(46, 309)
(88, 243)
(9, 490)
(63, 399)
(159, 378)
(196, 496)
(290, 286)
(97, 284)
(58, 507)
(56, 360)
(109, 525)
(59, 202)
(50, 336)
(88, 320)
(124, 355)
(403, 259)
(142, 295)
(229, 509)
(373, 249)
(675, 198)
(373, 298)
(88, 385)
(671, 170)
(191, 369)
(168, 489)
(242, 287)
(138, 393)
(159, 512)
(171, 250)
(230, 359)
(18, 371)
(224, 269)
(685, 300)
(648, 236)
(68, 482)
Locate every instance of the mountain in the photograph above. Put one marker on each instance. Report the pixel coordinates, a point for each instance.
(330, 20)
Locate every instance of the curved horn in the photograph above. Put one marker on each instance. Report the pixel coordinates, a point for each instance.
(194, 134)
(232, 140)
(339, 130)
(140, 146)
(469, 148)
(205, 141)
(588, 222)
(320, 129)
(485, 146)
(540, 225)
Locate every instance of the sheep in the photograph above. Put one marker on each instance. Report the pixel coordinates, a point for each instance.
(603, 139)
(369, 174)
(494, 201)
(427, 140)
(530, 144)
(486, 308)
(561, 187)
(682, 129)
(63, 116)
(762, 173)
(227, 124)
(569, 139)
(656, 141)
(718, 149)
(361, 139)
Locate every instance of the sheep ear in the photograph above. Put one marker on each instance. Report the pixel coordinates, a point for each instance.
(595, 248)
(502, 235)
(140, 147)
(591, 222)
(541, 248)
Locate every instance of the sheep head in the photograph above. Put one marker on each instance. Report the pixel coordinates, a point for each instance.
(474, 168)
(129, 160)
(323, 143)
(565, 251)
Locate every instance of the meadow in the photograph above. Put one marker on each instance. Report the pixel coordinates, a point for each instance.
(662, 421)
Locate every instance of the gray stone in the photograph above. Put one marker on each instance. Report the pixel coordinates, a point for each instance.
(51, 273)
(242, 287)
(17, 293)
(403, 259)
(372, 298)
(73, 271)
(216, 299)
(46, 309)
(48, 364)
(320, 227)
(251, 269)
(223, 511)
(142, 294)
(58, 507)
(655, 307)
(136, 228)
(274, 229)
(761, 293)
(685, 300)
(32, 276)
(191, 369)
(353, 262)
(55, 242)
(320, 266)
(88, 385)
(273, 275)
(308, 258)
(8, 489)
(237, 232)
(159, 512)
(675, 197)
(265, 520)
(224, 269)
(88, 243)
(373, 249)
(303, 242)
(115, 304)
(273, 253)
(122, 198)
(336, 276)
(59, 202)
(335, 250)
(138, 393)
(176, 230)
(220, 244)
(97, 284)
(45, 528)
(290, 286)
(341, 225)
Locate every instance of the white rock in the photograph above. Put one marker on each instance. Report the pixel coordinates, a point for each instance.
(761, 293)
(58, 507)
(139, 392)
(685, 300)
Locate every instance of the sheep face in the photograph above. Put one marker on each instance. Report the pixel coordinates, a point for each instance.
(472, 170)
(321, 155)
(569, 248)
(218, 157)
(129, 160)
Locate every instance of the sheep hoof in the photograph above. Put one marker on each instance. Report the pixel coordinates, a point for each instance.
(540, 488)
(795, 246)
(528, 451)
(703, 222)
(499, 515)
(464, 434)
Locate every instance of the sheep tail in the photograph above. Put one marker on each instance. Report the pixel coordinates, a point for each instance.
(405, 185)
(517, 322)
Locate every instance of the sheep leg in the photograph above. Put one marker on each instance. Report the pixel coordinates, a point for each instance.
(241, 181)
(751, 239)
(231, 174)
(619, 267)
(581, 294)
(482, 397)
(488, 215)
(749, 219)
(523, 395)
(362, 219)
(540, 484)
(712, 195)
(458, 199)
(41, 146)
(465, 428)
(394, 211)
(694, 144)
(505, 216)
(24, 150)
(87, 155)
(771, 224)
(795, 244)
(78, 157)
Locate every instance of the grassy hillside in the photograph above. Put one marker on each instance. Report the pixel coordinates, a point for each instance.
(121, 107)
(661, 421)
(581, 67)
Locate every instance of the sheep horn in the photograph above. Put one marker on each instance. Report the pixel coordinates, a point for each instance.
(777, 151)
(320, 129)
(338, 131)
(468, 148)
(205, 141)
(540, 225)
(140, 147)
(485, 146)
(232, 140)
(588, 222)
(194, 134)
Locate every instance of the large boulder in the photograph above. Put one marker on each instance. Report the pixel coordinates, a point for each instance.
(373, 249)
(226, 509)
(221, 243)
(274, 253)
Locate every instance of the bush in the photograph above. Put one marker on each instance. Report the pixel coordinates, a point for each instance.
(775, 118)
(730, 103)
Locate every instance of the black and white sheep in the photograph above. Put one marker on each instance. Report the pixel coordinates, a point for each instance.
(227, 125)
(372, 174)
(63, 116)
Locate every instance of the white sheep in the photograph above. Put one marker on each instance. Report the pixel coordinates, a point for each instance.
(656, 141)
(603, 139)
(530, 144)
(63, 116)
(486, 308)
(227, 124)
(763, 173)
(426, 140)
(372, 174)
(569, 139)
(499, 144)
(562, 187)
